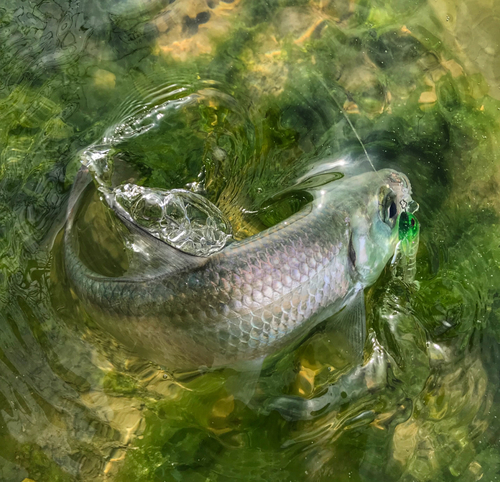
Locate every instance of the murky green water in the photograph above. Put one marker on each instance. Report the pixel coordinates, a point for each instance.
(253, 96)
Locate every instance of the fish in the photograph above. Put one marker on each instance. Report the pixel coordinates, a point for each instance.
(255, 296)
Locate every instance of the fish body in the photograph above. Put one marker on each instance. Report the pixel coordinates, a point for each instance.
(255, 296)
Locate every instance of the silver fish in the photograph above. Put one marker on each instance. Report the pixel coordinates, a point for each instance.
(255, 296)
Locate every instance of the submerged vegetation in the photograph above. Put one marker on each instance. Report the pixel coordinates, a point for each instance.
(267, 92)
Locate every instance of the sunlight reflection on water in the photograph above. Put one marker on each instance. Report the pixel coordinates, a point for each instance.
(284, 86)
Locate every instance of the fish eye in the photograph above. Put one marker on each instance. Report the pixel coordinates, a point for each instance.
(388, 207)
(393, 210)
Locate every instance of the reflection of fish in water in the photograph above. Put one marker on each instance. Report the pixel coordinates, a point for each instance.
(257, 295)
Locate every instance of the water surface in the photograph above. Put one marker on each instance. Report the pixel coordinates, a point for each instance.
(249, 98)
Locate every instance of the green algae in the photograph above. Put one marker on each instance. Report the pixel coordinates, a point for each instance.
(359, 77)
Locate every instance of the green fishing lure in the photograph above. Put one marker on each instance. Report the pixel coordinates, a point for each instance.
(404, 261)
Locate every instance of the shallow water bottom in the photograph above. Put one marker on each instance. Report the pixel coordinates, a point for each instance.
(265, 93)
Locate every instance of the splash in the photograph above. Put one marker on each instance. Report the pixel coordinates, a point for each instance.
(181, 218)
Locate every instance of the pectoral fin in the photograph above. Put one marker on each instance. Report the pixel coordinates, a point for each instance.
(350, 325)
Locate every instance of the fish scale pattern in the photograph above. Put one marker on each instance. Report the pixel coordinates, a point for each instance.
(239, 306)
(265, 298)
(243, 301)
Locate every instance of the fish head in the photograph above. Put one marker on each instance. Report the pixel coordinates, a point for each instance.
(381, 197)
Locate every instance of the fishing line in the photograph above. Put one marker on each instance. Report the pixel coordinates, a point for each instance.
(348, 121)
